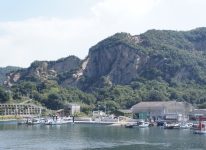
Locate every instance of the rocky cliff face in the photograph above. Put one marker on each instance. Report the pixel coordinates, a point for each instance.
(44, 70)
(120, 64)
(123, 58)
(156, 54)
(5, 71)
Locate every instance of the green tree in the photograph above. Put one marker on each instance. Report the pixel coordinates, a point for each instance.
(4, 96)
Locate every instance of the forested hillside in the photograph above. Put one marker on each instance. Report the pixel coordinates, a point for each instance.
(121, 70)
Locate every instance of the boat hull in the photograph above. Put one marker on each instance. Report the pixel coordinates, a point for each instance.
(199, 132)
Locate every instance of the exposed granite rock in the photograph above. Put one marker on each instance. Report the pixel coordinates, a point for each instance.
(120, 59)
(120, 64)
(44, 70)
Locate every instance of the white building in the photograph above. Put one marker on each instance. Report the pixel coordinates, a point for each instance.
(168, 110)
(72, 109)
(20, 109)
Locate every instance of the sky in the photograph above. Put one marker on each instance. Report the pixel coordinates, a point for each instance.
(51, 29)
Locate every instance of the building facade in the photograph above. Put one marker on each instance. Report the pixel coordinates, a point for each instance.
(162, 110)
(196, 113)
(71, 109)
(20, 109)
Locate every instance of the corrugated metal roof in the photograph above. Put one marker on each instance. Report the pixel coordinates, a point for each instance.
(198, 111)
(158, 105)
(126, 111)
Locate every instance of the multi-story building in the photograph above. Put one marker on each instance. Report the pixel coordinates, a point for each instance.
(20, 109)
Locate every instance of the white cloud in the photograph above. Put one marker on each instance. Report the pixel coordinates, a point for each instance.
(51, 38)
(42, 38)
(123, 8)
(122, 15)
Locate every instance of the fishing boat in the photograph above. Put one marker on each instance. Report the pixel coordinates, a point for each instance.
(129, 125)
(53, 122)
(144, 125)
(34, 121)
(201, 129)
(185, 125)
(58, 121)
(171, 125)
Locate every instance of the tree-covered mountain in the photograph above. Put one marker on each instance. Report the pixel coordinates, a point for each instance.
(122, 70)
(169, 55)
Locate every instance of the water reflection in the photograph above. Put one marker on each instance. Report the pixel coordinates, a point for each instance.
(72, 137)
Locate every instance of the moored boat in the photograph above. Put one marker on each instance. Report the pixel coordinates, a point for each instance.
(171, 125)
(144, 125)
(201, 129)
(129, 125)
(186, 125)
(58, 121)
(53, 122)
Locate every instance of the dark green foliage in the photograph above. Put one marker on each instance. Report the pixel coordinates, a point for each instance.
(173, 68)
(51, 95)
(87, 109)
(122, 96)
(156, 39)
(202, 106)
(54, 101)
(4, 96)
(65, 75)
(24, 88)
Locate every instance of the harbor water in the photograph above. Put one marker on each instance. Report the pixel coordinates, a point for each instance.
(94, 136)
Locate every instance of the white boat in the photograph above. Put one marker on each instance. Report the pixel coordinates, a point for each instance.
(53, 122)
(199, 132)
(185, 125)
(34, 121)
(58, 121)
(169, 125)
(22, 122)
(129, 125)
(143, 124)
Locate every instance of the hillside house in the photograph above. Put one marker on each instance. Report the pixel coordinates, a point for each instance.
(71, 109)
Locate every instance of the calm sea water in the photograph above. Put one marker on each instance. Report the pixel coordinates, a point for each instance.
(100, 137)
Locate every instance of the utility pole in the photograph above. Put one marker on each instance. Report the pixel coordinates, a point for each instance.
(98, 110)
(105, 109)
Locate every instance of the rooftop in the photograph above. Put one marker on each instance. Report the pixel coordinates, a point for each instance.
(126, 111)
(169, 105)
